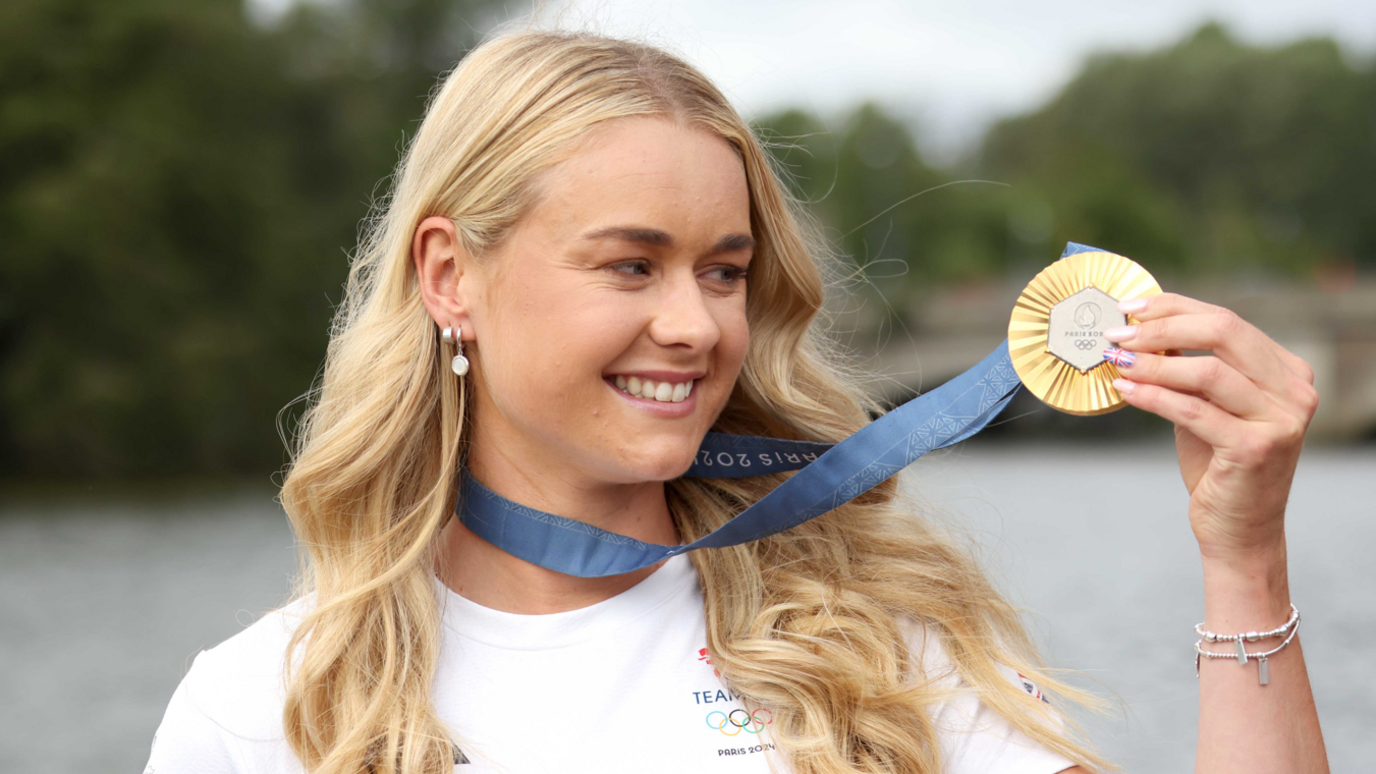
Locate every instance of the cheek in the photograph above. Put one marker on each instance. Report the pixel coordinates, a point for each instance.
(551, 346)
(735, 339)
(593, 336)
(728, 357)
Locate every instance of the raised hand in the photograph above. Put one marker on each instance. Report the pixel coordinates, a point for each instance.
(1240, 413)
(1240, 416)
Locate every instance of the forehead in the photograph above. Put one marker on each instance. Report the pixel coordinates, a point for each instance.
(651, 172)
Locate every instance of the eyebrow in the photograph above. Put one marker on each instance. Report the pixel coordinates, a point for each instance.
(656, 237)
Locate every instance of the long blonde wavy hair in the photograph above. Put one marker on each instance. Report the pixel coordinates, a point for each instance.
(809, 622)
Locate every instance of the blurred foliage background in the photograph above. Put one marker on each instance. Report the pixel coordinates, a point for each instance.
(180, 188)
(1209, 156)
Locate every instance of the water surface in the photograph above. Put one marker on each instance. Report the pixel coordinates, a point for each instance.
(105, 602)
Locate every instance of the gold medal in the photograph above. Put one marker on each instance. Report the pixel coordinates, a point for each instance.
(1056, 334)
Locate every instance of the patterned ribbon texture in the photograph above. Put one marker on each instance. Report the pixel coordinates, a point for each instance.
(829, 476)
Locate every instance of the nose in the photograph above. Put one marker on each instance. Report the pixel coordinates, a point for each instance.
(683, 317)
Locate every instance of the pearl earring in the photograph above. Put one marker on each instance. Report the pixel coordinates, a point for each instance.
(453, 336)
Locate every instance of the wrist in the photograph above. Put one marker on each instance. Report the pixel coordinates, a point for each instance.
(1246, 591)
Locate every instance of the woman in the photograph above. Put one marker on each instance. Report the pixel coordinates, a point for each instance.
(584, 213)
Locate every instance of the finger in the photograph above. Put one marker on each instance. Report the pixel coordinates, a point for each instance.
(1236, 341)
(1178, 353)
(1215, 426)
(1207, 376)
(1299, 365)
(1164, 305)
(1167, 304)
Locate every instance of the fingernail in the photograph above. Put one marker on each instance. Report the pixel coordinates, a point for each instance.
(1124, 386)
(1132, 305)
(1119, 357)
(1120, 333)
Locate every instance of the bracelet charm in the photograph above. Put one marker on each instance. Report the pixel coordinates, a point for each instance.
(1288, 630)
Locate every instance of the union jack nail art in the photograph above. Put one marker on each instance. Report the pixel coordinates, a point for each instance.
(1119, 357)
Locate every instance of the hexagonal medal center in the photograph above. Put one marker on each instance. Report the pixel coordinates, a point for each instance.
(1075, 332)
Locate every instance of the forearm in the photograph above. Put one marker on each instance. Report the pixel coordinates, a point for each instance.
(1245, 726)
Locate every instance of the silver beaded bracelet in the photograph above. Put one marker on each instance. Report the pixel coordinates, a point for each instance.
(1279, 631)
(1290, 628)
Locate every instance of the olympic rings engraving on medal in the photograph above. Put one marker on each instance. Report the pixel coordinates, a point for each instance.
(739, 720)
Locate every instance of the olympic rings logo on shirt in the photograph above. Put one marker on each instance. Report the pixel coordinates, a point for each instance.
(739, 720)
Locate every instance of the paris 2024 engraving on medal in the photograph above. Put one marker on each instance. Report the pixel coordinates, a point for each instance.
(1075, 330)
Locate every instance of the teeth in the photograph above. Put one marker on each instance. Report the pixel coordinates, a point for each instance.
(661, 391)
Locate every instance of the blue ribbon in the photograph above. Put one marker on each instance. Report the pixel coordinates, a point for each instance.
(829, 476)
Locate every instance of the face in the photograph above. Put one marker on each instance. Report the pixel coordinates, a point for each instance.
(628, 272)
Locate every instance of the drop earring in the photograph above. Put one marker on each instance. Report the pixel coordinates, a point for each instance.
(454, 336)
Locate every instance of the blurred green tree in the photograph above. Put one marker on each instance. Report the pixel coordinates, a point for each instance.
(1206, 156)
(178, 188)
(888, 211)
(1209, 155)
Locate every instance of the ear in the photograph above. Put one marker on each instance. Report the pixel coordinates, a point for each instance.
(441, 263)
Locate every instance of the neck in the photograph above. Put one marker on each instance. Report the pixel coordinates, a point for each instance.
(489, 576)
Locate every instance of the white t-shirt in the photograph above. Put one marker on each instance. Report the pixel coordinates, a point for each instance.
(624, 685)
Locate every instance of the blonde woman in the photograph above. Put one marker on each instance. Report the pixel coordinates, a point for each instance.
(591, 227)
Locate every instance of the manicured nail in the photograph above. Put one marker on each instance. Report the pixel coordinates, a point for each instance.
(1119, 357)
(1132, 305)
(1124, 386)
(1121, 333)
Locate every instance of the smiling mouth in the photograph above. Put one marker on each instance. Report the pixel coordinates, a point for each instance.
(663, 392)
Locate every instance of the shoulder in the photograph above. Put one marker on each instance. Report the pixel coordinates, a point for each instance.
(924, 640)
(240, 682)
(229, 704)
(973, 737)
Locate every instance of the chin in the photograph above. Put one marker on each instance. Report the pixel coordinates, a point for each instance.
(662, 464)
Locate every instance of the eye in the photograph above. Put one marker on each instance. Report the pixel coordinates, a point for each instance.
(634, 268)
(730, 275)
